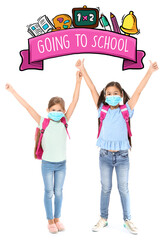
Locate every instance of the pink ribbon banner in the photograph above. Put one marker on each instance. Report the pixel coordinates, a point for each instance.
(75, 41)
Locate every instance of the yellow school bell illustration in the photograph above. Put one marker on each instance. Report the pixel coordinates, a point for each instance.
(129, 25)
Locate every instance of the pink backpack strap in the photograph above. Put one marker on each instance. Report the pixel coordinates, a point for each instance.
(44, 126)
(103, 113)
(125, 114)
(63, 120)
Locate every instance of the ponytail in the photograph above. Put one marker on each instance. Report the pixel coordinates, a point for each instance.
(125, 100)
(125, 96)
(100, 101)
(101, 98)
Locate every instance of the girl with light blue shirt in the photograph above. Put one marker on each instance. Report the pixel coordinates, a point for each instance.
(114, 142)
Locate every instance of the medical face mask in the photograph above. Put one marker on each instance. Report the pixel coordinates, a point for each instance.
(56, 116)
(113, 100)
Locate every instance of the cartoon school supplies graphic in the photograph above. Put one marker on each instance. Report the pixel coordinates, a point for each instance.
(61, 22)
(82, 38)
(129, 25)
(104, 22)
(85, 17)
(45, 24)
(114, 23)
(34, 29)
(42, 26)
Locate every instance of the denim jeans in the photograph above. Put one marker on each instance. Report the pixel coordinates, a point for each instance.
(53, 177)
(119, 160)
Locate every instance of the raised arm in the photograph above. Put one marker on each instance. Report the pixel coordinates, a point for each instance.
(152, 68)
(75, 95)
(31, 111)
(95, 95)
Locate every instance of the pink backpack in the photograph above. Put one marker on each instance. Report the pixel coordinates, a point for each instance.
(39, 150)
(124, 112)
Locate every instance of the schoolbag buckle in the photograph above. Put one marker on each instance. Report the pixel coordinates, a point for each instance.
(42, 131)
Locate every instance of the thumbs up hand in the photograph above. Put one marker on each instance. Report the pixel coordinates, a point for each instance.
(153, 66)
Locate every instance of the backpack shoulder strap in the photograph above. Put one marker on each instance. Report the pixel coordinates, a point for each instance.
(125, 114)
(103, 113)
(124, 111)
(63, 120)
(45, 124)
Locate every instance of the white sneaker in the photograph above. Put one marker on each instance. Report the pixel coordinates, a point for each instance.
(130, 227)
(101, 224)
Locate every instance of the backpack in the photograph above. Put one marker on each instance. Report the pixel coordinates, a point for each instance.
(38, 151)
(124, 112)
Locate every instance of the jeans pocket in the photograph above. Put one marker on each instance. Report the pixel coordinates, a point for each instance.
(103, 152)
(123, 154)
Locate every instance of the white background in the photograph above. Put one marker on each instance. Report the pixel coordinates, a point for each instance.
(22, 212)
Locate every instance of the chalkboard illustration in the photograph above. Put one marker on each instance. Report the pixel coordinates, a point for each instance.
(129, 25)
(61, 22)
(43, 25)
(85, 17)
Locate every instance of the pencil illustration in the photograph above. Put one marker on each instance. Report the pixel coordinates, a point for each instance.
(114, 23)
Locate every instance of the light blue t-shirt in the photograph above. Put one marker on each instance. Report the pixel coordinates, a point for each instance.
(114, 133)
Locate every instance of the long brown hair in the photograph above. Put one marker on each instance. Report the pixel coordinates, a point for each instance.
(53, 101)
(102, 99)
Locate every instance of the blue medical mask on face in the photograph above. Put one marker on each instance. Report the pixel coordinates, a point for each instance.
(113, 100)
(56, 116)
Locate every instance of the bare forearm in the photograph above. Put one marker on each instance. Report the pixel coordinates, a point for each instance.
(91, 86)
(76, 92)
(31, 111)
(132, 102)
(20, 99)
(87, 79)
(144, 81)
(74, 100)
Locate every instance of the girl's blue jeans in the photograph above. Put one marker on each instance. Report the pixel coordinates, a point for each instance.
(53, 177)
(120, 161)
